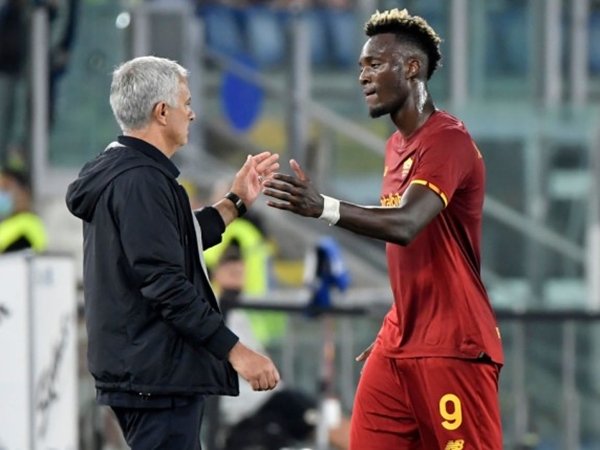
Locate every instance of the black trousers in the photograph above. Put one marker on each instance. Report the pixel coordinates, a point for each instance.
(176, 427)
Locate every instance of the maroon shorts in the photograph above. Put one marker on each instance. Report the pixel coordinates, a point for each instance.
(426, 404)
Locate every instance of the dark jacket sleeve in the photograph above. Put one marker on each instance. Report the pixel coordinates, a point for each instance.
(211, 224)
(145, 210)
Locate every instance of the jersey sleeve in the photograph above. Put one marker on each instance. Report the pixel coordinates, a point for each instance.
(444, 162)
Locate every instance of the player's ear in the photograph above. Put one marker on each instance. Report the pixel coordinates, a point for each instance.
(413, 68)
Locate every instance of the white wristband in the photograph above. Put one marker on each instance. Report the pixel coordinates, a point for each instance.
(331, 210)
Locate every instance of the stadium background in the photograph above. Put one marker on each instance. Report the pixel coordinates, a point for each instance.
(524, 75)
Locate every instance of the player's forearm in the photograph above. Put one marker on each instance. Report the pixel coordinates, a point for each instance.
(386, 224)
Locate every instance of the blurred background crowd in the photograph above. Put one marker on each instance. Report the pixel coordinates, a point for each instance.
(524, 75)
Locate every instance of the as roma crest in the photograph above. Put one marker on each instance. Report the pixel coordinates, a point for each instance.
(406, 167)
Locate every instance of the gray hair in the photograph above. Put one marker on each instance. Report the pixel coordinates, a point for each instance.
(139, 84)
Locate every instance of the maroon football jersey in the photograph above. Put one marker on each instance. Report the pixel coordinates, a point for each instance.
(440, 305)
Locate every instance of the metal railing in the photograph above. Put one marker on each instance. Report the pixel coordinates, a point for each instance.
(560, 372)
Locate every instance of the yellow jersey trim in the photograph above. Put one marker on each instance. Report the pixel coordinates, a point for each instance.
(434, 188)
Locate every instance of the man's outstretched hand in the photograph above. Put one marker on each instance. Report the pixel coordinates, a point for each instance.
(293, 193)
(248, 181)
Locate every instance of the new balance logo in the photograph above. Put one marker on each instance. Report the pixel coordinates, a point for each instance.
(458, 444)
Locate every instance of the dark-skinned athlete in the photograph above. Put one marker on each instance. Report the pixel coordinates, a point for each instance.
(430, 379)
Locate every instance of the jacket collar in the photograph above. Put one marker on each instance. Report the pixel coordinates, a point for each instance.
(151, 152)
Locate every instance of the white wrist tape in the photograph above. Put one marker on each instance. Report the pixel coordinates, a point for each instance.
(331, 210)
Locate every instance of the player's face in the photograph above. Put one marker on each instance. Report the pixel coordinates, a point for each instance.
(382, 75)
(180, 116)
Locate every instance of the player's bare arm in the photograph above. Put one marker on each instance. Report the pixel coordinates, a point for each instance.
(398, 225)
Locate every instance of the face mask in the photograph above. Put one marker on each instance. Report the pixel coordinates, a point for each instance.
(7, 204)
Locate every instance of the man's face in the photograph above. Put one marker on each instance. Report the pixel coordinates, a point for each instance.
(8, 184)
(230, 275)
(382, 75)
(9, 193)
(180, 116)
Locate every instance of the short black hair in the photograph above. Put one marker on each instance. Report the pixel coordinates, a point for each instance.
(19, 176)
(232, 253)
(415, 29)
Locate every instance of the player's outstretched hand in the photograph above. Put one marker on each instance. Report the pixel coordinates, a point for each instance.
(294, 193)
(258, 370)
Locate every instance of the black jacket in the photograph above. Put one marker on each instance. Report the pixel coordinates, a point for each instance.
(153, 323)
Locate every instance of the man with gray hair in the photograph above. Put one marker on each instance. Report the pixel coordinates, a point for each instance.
(157, 341)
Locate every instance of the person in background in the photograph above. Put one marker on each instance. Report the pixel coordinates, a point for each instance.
(157, 341)
(14, 19)
(284, 417)
(227, 278)
(64, 17)
(430, 380)
(251, 238)
(20, 226)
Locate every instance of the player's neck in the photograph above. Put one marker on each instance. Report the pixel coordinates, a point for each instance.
(410, 118)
